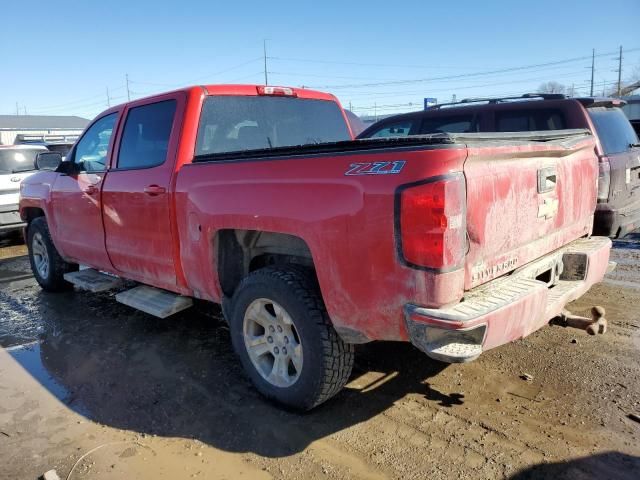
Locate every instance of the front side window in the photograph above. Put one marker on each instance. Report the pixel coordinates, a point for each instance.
(91, 152)
(242, 123)
(452, 124)
(614, 131)
(145, 138)
(530, 120)
(398, 129)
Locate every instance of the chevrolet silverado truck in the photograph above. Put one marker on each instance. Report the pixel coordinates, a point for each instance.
(258, 198)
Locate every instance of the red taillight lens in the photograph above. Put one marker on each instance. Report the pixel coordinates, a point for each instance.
(276, 91)
(432, 223)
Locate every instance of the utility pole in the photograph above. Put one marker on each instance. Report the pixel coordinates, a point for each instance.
(17, 109)
(375, 111)
(126, 76)
(620, 71)
(350, 107)
(593, 67)
(264, 51)
(24, 109)
(108, 98)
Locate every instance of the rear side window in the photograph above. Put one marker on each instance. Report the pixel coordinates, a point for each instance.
(530, 120)
(145, 138)
(452, 124)
(613, 128)
(398, 129)
(18, 160)
(241, 123)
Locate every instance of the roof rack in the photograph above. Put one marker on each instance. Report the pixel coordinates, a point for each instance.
(543, 96)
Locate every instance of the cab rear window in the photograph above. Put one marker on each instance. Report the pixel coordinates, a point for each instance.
(614, 131)
(530, 120)
(242, 123)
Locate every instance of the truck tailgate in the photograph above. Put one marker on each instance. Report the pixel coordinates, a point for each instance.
(526, 199)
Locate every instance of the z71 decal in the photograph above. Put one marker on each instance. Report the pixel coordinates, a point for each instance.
(376, 168)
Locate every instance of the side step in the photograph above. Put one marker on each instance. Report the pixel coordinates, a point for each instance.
(93, 280)
(154, 301)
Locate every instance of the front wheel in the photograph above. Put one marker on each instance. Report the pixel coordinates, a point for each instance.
(47, 265)
(287, 345)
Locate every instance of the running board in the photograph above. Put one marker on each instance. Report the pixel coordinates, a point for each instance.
(93, 280)
(154, 301)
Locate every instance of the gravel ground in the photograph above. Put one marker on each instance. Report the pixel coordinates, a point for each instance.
(91, 387)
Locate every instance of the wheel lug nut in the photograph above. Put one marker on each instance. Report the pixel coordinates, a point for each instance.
(279, 329)
(270, 339)
(284, 350)
(276, 350)
(286, 339)
(271, 329)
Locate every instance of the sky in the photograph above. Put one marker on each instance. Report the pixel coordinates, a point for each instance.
(62, 57)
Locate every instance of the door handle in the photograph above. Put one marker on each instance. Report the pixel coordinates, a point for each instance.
(91, 190)
(154, 190)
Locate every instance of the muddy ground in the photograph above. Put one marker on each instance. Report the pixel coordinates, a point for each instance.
(96, 390)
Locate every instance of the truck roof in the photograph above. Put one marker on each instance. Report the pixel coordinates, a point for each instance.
(230, 89)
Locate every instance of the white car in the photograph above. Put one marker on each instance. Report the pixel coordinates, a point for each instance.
(17, 162)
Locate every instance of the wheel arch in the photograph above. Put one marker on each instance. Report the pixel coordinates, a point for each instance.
(239, 252)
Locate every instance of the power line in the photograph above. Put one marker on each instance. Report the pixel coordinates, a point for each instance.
(464, 75)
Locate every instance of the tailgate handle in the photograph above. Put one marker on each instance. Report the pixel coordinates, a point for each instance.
(547, 178)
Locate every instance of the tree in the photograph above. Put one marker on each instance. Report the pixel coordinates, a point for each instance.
(551, 87)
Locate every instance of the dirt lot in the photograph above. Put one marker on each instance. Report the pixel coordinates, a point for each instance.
(96, 390)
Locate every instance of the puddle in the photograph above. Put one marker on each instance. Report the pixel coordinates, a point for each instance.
(29, 357)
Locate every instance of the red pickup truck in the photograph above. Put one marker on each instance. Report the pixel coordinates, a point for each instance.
(258, 198)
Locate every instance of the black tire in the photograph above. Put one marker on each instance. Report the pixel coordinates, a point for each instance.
(53, 279)
(327, 360)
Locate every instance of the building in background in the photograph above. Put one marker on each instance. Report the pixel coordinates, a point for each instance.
(40, 129)
(632, 108)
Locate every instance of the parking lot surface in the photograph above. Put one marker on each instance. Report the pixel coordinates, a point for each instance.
(95, 389)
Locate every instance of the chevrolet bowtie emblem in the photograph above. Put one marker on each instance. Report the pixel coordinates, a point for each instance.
(548, 208)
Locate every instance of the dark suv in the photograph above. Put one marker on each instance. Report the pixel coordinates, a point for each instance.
(618, 209)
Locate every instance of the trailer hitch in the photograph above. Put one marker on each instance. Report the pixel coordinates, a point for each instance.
(594, 325)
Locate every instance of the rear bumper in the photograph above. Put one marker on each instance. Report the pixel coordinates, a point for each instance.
(10, 218)
(616, 222)
(510, 307)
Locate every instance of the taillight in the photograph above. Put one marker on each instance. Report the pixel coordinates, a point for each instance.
(604, 179)
(276, 91)
(432, 223)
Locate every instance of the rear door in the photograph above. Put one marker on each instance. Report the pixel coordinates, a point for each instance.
(137, 204)
(526, 200)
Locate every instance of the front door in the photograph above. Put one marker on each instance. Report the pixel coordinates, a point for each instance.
(136, 193)
(78, 232)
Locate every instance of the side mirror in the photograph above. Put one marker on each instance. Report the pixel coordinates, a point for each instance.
(48, 161)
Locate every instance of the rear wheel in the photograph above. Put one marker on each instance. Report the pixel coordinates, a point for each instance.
(282, 333)
(47, 265)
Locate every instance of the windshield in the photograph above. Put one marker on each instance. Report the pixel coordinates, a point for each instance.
(14, 160)
(615, 133)
(240, 123)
